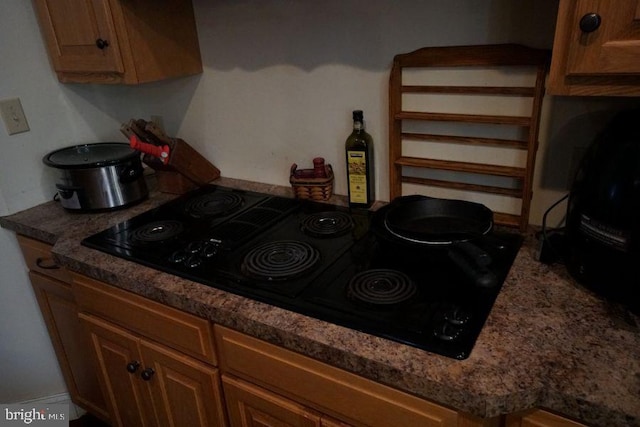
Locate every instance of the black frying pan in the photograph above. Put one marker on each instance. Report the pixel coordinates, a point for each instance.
(431, 221)
(443, 223)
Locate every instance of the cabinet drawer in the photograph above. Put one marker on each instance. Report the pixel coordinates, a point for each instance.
(328, 389)
(182, 331)
(38, 257)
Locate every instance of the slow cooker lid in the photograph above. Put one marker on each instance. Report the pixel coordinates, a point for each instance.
(90, 155)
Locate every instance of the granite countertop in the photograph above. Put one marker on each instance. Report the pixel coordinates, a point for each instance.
(547, 343)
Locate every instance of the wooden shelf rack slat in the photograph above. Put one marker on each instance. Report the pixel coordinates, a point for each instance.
(469, 140)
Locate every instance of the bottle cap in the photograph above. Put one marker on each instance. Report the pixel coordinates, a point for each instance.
(358, 115)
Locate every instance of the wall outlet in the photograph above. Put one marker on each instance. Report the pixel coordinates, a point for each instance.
(13, 116)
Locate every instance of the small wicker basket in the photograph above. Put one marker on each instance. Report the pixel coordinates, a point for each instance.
(306, 186)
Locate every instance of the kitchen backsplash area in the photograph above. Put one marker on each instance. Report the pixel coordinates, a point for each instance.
(279, 83)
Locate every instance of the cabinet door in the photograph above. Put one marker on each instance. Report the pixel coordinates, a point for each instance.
(60, 313)
(612, 48)
(252, 406)
(120, 365)
(81, 35)
(185, 392)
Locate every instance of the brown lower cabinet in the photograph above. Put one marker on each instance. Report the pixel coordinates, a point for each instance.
(156, 364)
(147, 384)
(52, 287)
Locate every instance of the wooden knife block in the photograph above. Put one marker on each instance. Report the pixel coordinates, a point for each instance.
(173, 182)
(186, 170)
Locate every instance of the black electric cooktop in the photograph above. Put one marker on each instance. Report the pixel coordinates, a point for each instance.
(317, 259)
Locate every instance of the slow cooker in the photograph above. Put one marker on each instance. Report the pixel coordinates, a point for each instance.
(99, 176)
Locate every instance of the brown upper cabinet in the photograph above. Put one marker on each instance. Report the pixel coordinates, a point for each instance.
(596, 48)
(116, 41)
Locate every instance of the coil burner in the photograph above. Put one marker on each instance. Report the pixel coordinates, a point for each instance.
(381, 287)
(327, 224)
(213, 204)
(280, 260)
(157, 231)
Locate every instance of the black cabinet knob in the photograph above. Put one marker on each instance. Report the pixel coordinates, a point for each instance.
(590, 22)
(133, 366)
(101, 44)
(147, 374)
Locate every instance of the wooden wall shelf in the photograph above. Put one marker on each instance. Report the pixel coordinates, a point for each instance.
(467, 57)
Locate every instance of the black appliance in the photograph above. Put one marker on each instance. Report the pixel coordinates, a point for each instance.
(603, 214)
(317, 259)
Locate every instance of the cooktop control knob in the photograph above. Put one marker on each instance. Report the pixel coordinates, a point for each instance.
(457, 316)
(210, 249)
(178, 256)
(195, 247)
(193, 261)
(447, 332)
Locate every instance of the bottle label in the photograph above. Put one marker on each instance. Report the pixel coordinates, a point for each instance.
(357, 168)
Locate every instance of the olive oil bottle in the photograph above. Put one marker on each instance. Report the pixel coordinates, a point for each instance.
(360, 173)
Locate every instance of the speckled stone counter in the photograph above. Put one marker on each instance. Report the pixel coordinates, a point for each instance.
(547, 343)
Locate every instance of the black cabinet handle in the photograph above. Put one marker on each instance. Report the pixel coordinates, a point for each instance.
(133, 366)
(147, 374)
(101, 43)
(40, 262)
(590, 22)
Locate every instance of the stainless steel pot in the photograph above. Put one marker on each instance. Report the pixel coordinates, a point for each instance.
(98, 176)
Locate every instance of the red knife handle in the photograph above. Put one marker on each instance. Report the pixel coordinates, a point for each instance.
(161, 152)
